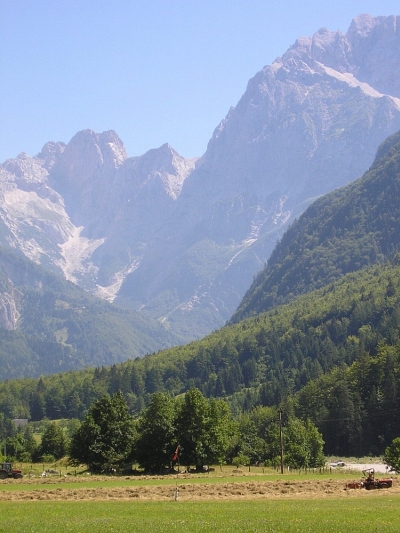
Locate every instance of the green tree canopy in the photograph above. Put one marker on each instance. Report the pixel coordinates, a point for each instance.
(392, 455)
(105, 439)
(203, 429)
(157, 440)
(221, 431)
(53, 442)
(302, 444)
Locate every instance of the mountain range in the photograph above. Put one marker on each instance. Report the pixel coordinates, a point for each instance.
(180, 240)
(317, 332)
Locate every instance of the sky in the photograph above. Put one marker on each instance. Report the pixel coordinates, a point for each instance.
(155, 71)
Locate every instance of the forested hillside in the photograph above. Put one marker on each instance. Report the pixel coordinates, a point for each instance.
(268, 360)
(356, 408)
(49, 325)
(348, 229)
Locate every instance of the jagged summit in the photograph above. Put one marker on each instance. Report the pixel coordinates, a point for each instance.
(375, 43)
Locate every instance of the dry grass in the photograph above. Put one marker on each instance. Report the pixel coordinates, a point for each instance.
(146, 488)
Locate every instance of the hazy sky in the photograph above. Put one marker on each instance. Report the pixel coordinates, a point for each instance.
(154, 71)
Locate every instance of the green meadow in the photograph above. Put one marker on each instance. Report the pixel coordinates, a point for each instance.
(375, 514)
(377, 511)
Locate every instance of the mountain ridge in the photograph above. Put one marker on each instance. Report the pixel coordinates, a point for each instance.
(247, 188)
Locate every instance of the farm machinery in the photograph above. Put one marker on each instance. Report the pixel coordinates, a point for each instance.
(369, 482)
(6, 471)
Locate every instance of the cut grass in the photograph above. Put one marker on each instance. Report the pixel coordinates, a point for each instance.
(290, 516)
(91, 482)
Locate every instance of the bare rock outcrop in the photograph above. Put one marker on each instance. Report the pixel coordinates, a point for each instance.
(9, 313)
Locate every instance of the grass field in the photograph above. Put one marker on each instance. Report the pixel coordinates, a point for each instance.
(322, 516)
(247, 502)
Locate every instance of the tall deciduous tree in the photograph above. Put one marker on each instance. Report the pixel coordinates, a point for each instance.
(105, 439)
(156, 442)
(221, 431)
(302, 444)
(249, 443)
(192, 429)
(204, 429)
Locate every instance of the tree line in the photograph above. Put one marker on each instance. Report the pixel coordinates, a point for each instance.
(356, 407)
(191, 430)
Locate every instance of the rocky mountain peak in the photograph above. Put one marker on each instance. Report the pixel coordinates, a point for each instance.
(85, 171)
(50, 152)
(26, 169)
(375, 44)
(87, 156)
(332, 49)
(165, 165)
(294, 135)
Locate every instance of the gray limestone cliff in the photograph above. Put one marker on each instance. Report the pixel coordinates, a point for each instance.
(307, 124)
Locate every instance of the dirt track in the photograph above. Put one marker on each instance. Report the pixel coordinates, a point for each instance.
(227, 490)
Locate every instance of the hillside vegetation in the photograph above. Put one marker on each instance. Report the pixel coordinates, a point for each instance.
(348, 229)
(51, 325)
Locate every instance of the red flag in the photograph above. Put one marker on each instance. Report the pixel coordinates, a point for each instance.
(175, 456)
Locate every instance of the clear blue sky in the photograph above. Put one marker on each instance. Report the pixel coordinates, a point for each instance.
(155, 71)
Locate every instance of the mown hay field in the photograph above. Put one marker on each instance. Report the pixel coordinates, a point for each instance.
(247, 503)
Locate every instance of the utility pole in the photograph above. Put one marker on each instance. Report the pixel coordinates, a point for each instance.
(281, 438)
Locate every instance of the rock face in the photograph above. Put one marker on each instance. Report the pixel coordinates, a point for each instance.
(9, 313)
(87, 211)
(182, 240)
(307, 124)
